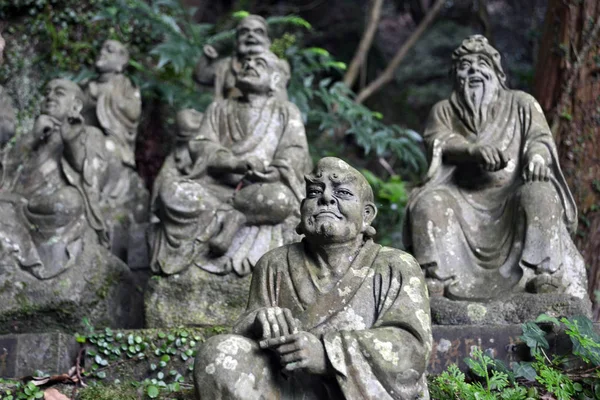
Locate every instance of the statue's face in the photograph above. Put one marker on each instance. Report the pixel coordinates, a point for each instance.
(252, 37)
(475, 71)
(112, 58)
(59, 100)
(334, 210)
(259, 74)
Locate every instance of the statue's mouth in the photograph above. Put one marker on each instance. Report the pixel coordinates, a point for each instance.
(475, 81)
(327, 214)
(249, 73)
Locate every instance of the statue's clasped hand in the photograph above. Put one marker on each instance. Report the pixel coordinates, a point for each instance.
(489, 157)
(536, 170)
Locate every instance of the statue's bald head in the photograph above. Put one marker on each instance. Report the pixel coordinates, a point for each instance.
(252, 35)
(62, 98)
(338, 170)
(339, 203)
(113, 57)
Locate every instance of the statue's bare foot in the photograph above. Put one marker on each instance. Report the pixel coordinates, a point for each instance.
(232, 222)
(545, 283)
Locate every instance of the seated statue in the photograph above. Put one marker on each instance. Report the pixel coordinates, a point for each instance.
(55, 267)
(56, 194)
(237, 200)
(494, 216)
(335, 316)
(251, 38)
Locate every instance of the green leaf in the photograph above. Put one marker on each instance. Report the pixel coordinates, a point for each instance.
(240, 14)
(534, 336)
(547, 318)
(524, 370)
(152, 391)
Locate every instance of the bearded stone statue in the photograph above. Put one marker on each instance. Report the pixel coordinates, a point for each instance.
(251, 38)
(494, 215)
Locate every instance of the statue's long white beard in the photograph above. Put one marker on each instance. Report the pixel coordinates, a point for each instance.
(478, 100)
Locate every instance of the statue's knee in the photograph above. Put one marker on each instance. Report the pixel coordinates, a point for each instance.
(265, 203)
(181, 198)
(429, 206)
(538, 196)
(222, 358)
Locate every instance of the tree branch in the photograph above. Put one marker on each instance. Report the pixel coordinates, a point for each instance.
(388, 74)
(365, 43)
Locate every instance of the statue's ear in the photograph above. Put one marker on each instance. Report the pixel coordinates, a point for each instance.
(275, 80)
(369, 213)
(77, 106)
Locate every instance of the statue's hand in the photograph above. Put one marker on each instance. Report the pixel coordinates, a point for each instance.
(210, 52)
(274, 322)
(271, 174)
(254, 164)
(489, 157)
(44, 126)
(536, 170)
(302, 350)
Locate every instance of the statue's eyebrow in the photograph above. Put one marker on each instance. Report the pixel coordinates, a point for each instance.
(341, 179)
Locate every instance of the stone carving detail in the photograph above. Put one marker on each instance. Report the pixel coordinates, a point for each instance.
(114, 105)
(334, 316)
(51, 224)
(494, 214)
(233, 190)
(251, 38)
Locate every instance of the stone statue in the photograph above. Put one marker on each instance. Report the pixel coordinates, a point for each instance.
(52, 229)
(114, 105)
(234, 199)
(7, 117)
(494, 214)
(251, 38)
(335, 316)
(112, 102)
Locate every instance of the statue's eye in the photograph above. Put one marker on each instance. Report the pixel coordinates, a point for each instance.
(343, 192)
(313, 192)
(465, 64)
(484, 62)
(259, 31)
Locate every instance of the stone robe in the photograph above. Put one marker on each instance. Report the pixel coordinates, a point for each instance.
(480, 227)
(374, 323)
(192, 207)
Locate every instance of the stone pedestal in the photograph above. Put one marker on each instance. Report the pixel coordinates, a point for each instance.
(514, 309)
(195, 298)
(98, 286)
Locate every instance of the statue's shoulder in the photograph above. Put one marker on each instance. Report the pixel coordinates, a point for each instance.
(521, 97)
(398, 259)
(279, 255)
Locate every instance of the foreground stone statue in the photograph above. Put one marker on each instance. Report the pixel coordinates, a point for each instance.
(53, 237)
(234, 199)
(114, 105)
(7, 117)
(251, 38)
(493, 217)
(334, 316)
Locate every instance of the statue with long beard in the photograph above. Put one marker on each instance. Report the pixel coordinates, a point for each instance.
(493, 217)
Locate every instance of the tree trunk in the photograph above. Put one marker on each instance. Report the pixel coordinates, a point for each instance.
(567, 85)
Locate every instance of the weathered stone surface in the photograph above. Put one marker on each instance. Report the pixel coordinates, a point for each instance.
(334, 316)
(493, 217)
(252, 38)
(195, 297)
(231, 190)
(22, 355)
(515, 309)
(98, 286)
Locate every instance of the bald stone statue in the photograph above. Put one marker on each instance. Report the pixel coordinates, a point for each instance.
(237, 198)
(335, 316)
(495, 213)
(113, 104)
(251, 38)
(55, 196)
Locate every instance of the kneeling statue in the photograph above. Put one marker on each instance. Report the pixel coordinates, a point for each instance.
(335, 316)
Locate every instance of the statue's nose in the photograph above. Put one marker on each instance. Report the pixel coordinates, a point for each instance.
(326, 198)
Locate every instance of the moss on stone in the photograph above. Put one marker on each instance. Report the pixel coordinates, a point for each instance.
(108, 392)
